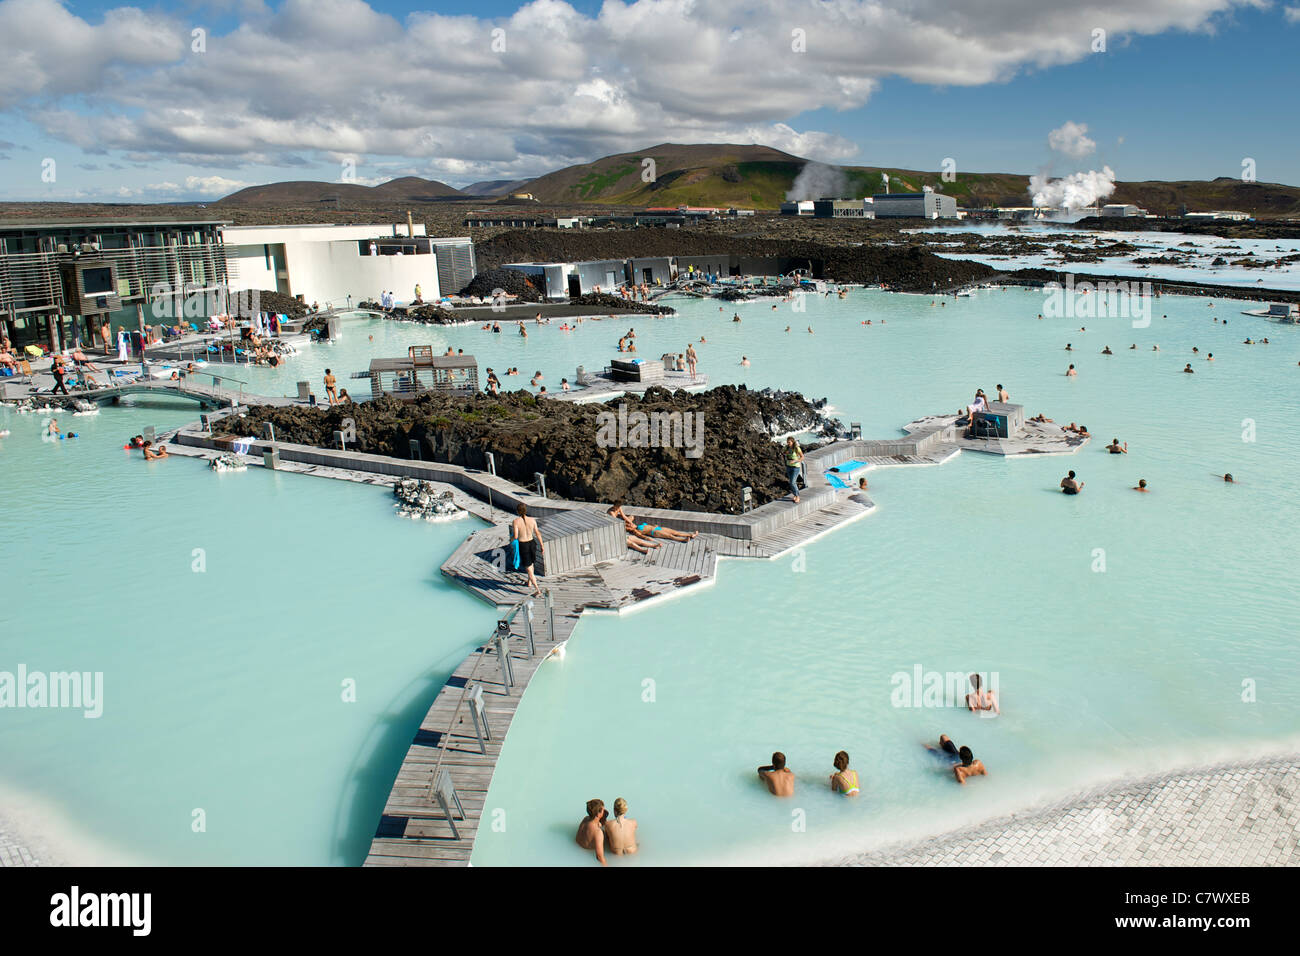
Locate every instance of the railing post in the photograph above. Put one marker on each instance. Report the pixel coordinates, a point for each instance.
(503, 652)
(550, 613)
(528, 629)
(479, 713)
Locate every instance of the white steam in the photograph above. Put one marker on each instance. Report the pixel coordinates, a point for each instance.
(816, 181)
(1074, 191)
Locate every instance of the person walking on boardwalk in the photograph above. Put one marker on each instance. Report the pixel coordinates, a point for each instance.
(793, 466)
(524, 531)
(691, 359)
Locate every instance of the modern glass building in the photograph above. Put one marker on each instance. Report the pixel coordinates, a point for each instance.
(60, 281)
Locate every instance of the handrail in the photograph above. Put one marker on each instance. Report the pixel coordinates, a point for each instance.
(464, 695)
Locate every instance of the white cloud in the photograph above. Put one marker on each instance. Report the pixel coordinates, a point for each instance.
(1071, 140)
(315, 77)
(1292, 14)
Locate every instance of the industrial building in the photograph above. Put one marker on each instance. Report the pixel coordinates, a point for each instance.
(60, 281)
(568, 280)
(926, 204)
(1121, 210)
(328, 263)
(800, 207)
(843, 209)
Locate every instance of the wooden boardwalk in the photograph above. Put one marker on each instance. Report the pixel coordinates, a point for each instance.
(413, 830)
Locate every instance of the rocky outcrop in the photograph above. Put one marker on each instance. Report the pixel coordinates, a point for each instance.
(580, 448)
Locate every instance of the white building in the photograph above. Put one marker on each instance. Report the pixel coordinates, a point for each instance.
(1229, 214)
(926, 204)
(328, 263)
(1122, 210)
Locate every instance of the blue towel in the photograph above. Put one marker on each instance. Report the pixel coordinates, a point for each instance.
(514, 555)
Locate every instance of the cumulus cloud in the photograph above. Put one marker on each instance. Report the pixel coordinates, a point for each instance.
(1292, 14)
(1071, 140)
(553, 86)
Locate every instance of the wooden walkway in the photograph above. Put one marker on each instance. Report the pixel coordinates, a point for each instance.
(413, 830)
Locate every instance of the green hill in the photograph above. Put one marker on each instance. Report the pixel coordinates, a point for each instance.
(759, 177)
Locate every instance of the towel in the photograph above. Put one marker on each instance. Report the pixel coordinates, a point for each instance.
(240, 446)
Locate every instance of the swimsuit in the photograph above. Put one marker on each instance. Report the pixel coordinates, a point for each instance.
(848, 782)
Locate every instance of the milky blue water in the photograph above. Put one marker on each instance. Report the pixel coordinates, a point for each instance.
(225, 612)
(224, 686)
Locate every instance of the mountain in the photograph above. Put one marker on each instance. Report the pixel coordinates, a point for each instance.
(704, 174)
(760, 177)
(494, 187)
(1262, 200)
(405, 189)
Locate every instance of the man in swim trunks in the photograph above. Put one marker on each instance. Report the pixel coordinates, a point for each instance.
(947, 750)
(620, 830)
(969, 766)
(524, 530)
(1070, 485)
(591, 833)
(844, 780)
(777, 777)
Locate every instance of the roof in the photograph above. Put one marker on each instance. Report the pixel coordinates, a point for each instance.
(405, 363)
(104, 223)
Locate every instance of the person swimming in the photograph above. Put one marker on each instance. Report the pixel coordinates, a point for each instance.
(1115, 448)
(969, 766)
(844, 780)
(946, 751)
(1141, 485)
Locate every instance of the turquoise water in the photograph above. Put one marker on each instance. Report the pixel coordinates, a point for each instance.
(223, 687)
(226, 695)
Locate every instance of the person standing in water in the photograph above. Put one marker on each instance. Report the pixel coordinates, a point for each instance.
(591, 832)
(620, 830)
(793, 465)
(524, 530)
(844, 780)
(777, 777)
(691, 359)
(331, 387)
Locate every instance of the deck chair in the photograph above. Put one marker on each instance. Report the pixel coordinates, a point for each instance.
(26, 368)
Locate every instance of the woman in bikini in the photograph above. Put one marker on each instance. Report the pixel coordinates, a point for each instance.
(524, 530)
(844, 780)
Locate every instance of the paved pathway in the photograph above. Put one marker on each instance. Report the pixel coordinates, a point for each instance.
(1245, 814)
(13, 850)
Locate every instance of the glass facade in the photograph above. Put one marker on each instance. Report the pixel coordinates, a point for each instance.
(167, 268)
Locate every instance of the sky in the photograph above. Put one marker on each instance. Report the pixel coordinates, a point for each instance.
(189, 101)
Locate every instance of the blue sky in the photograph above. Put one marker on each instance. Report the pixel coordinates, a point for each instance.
(299, 89)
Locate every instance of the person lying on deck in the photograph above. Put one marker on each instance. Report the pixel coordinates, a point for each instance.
(644, 529)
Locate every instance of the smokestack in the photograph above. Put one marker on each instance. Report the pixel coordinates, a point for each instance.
(410, 225)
